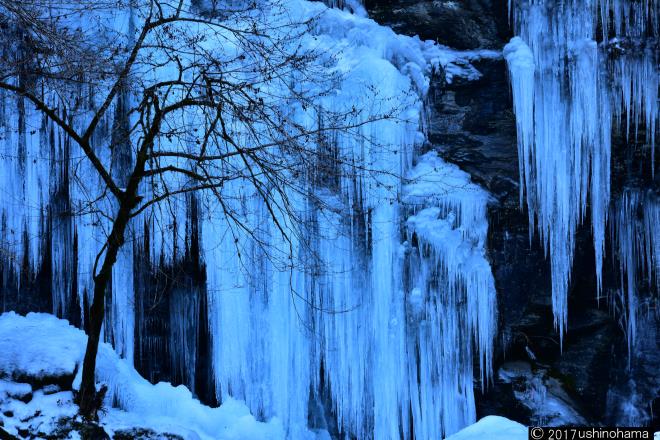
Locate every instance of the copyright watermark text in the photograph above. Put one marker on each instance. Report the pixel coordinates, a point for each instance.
(567, 433)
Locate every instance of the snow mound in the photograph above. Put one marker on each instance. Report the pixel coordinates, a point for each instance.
(40, 346)
(492, 428)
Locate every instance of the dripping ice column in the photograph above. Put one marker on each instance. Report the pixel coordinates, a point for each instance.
(452, 294)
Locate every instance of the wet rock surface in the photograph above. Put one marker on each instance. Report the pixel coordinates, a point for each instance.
(462, 24)
(143, 434)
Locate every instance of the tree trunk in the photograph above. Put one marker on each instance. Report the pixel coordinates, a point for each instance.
(87, 394)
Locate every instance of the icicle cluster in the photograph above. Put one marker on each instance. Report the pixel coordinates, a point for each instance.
(389, 327)
(355, 6)
(568, 92)
(47, 187)
(452, 294)
(635, 229)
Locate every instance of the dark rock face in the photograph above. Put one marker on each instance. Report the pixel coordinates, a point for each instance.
(462, 24)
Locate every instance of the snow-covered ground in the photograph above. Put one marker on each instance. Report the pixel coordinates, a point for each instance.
(40, 369)
(42, 354)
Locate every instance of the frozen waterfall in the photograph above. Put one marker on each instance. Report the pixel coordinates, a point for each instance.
(376, 300)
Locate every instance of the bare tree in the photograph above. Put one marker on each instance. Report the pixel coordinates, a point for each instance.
(210, 93)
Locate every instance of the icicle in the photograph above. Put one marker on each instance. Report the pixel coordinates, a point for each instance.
(637, 233)
(567, 93)
(521, 64)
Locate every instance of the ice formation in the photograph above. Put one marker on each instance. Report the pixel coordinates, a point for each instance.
(635, 234)
(347, 308)
(377, 295)
(452, 292)
(569, 93)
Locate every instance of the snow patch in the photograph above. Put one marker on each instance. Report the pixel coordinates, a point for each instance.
(40, 345)
(492, 428)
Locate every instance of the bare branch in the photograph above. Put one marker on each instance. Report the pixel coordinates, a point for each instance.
(71, 132)
(172, 168)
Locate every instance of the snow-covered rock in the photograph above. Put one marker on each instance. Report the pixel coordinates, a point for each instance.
(542, 394)
(39, 346)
